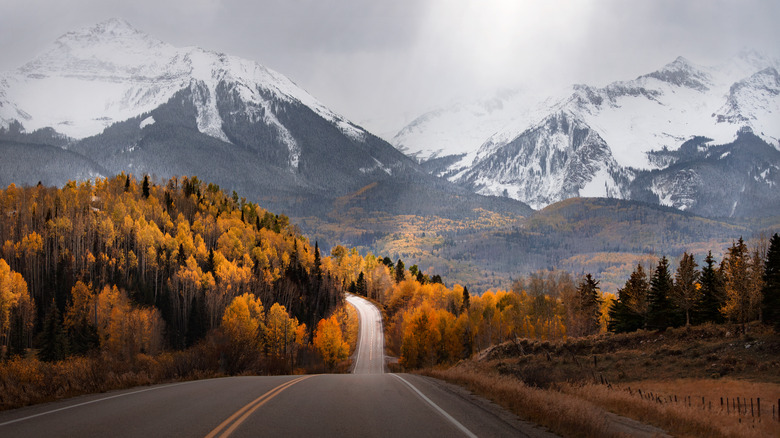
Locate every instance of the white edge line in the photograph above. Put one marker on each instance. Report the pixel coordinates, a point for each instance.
(92, 401)
(440, 410)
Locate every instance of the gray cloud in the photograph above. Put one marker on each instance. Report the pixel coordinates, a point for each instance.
(383, 60)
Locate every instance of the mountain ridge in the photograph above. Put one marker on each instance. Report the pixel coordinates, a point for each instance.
(654, 112)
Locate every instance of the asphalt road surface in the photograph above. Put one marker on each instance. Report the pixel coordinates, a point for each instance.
(370, 356)
(364, 404)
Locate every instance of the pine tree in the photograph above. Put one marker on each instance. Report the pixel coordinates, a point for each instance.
(589, 304)
(661, 312)
(361, 287)
(464, 307)
(145, 187)
(399, 271)
(317, 266)
(182, 257)
(83, 338)
(53, 341)
(771, 289)
(712, 297)
(629, 312)
(686, 291)
(210, 262)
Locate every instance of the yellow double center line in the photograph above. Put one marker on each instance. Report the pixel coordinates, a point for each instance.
(242, 414)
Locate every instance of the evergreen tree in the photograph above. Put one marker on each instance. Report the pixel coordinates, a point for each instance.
(181, 258)
(712, 298)
(210, 262)
(317, 266)
(687, 289)
(629, 312)
(52, 340)
(83, 338)
(661, 312)
(589, 297)
(145, 187)
(464, 307)
(361, 287)
(399, 271)
(127, 183)
(771, 289)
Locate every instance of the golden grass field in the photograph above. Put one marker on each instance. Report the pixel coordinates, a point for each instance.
(673, 380)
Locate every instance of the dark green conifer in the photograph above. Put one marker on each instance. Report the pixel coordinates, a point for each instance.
(712, 295)
(589, 297)
(361, 287)
(145, 187)
(771, 290)
(464, 307)
(53, 341)
(628, 313)
(661, 311)
(400, 275)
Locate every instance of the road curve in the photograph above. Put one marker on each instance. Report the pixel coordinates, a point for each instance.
(366, 403)
(370, 352)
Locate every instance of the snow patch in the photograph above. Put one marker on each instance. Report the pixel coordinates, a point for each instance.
(147, 122)
(378, 165)
(600, 186)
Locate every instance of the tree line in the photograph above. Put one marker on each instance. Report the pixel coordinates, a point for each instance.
(743, 287)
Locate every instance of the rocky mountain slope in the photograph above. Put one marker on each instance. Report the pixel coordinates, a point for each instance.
(547, 152)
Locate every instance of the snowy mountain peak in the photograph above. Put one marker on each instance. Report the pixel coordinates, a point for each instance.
(112, 28)
(99, 75)
(682, 73)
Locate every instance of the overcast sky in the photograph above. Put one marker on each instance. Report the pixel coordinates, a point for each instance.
(378, 62)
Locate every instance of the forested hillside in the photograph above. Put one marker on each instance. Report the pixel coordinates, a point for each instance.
(129, 265)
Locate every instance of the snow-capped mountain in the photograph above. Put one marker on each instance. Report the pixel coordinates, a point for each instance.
(535, 160)
(559, 158)
(94, 77)
(108, 99)
(452, 131)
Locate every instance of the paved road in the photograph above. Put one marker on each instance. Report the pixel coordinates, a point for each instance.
(370, 356)
(367, 403)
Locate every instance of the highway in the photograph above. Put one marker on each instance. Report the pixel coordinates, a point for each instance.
(367, 403)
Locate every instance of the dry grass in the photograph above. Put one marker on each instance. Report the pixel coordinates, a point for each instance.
(26, 381)
(559, 412)
(710, 361)
(679, 418)
(711, 391)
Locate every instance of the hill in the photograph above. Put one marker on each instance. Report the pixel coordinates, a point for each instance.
(695, 381)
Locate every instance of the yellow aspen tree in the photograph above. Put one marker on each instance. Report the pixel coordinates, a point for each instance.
(329, 341)
(280, 331)
(243, 322)
(420, 338)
